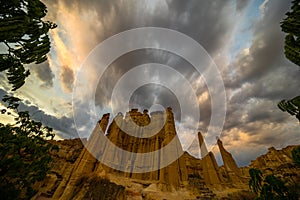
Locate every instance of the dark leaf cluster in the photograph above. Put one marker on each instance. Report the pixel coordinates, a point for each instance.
(270, 187)
(24, 152)
(24, 33)
(291, 26)
(291, 106)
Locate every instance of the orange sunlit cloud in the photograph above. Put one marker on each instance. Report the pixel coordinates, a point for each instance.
(71, 44)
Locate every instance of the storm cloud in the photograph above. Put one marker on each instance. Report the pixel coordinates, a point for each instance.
(44, 73)
(256, 77)
(64, 126)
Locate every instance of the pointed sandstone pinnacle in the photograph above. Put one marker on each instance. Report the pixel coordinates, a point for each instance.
(171, 177)
(85, 164)
(174, 174)
(202, 144)
(229, 162)
(210, 167)
(231, 168)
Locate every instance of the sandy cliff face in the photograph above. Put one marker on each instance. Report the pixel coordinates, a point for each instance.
(279, 163)
(62, 167)
(77, 174)
(175, 174)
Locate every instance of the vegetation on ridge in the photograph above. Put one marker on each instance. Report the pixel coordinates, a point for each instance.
(291, 26)
(24, 151)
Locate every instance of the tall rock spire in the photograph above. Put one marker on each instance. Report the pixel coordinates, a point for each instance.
(163, 125)
(230, 165)
(84, 165)
(229, 162)
(210, 166)
(174, 174)
(203, 149)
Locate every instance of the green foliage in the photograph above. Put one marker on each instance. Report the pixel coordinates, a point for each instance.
(24, 152)
(24, 33)
(255, 180)
(291, 26)
(294, 191)
(270, 187)
(291, 106)
(296, 155)
(273, 188)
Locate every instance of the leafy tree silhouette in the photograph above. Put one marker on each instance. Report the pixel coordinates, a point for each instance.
(271, 187)
(24, 33)
(24, 157)
(24, 151)
(296, 155)
(291, 26)
(255, 180)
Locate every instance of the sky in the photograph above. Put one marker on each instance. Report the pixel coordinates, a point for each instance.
(243, 38)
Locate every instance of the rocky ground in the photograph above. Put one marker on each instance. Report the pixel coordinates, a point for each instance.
(114, 186)
(76, 174)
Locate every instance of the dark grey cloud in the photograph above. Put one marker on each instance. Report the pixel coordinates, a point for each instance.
(281, 83)
(135, 58)
(264, 111)
(266, 51)
(209, 23)
(263, 76)
(63, 126)
(44, 73)
(148, 95)
(206, 22)
(255, 81)
(241, 4)
(2, 93)
(67, 78)
(259, 79)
